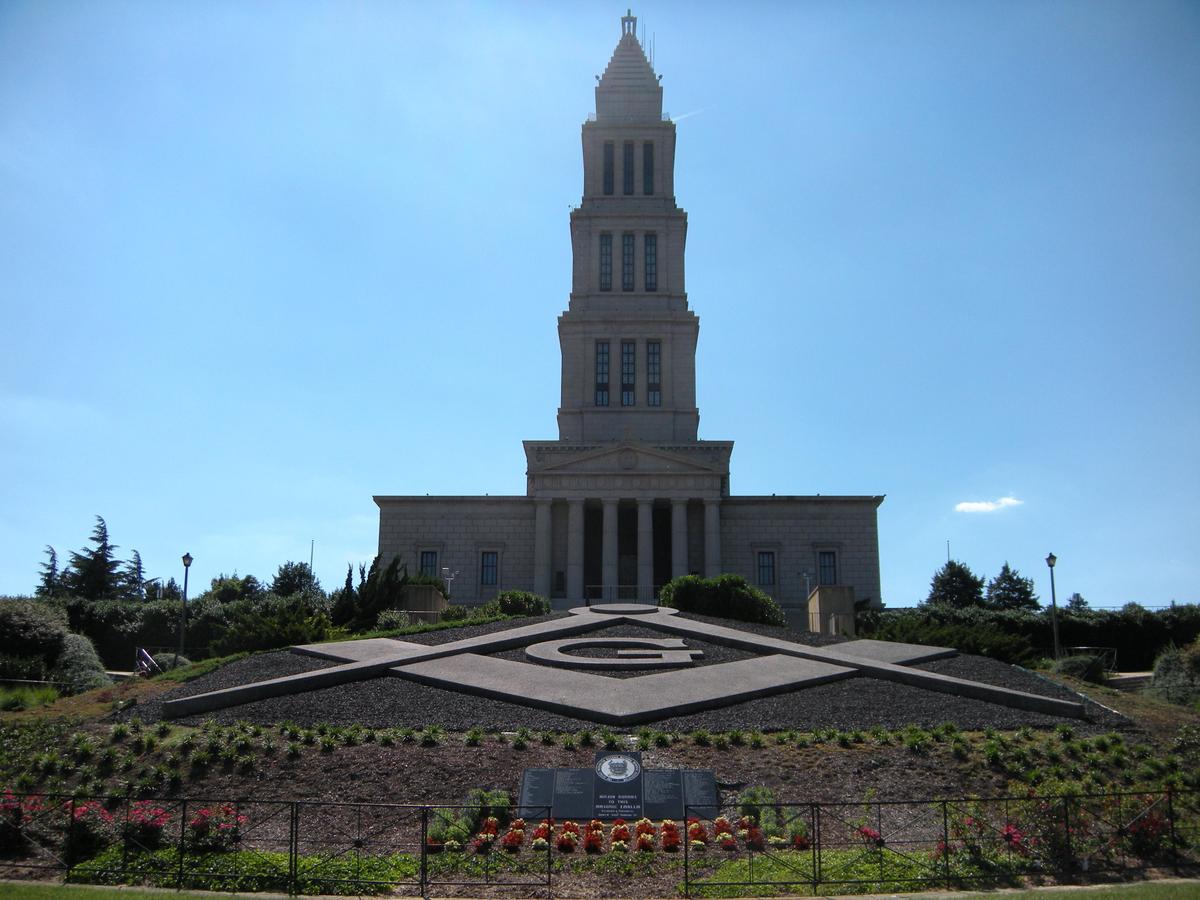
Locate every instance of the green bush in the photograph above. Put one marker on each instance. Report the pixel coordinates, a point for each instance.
(1137, 634)
(78, 667)
(454, 613)
(1085, 668)
(392, 618)
(726, 596)
(1177, 675)
(23, 668)
(168, 660)
(274, 622)
(516, 603)
(31, 628)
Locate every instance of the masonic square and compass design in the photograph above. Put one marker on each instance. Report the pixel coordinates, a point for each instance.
(464, 666)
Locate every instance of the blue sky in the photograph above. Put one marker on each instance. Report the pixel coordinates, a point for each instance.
(261, 261)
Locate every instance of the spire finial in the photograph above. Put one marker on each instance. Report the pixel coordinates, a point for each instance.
(629, 23)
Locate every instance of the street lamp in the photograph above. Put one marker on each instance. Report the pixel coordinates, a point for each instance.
(187, 564)
(1050, 561)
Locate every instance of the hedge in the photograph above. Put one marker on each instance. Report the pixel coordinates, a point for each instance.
(516, 603)
(726, 597)
(1015, 636)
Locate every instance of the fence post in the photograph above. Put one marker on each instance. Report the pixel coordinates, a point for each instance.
(182, 841)
(946, 842)
(1070, 860)
(816, 846)
(1174, 838)
(294, 850)
(69, 855)
(687, 884)
(424, 861)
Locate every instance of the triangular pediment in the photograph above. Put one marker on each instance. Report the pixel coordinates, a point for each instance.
(629, 459)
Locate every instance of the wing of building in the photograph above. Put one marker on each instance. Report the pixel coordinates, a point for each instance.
(628, 496)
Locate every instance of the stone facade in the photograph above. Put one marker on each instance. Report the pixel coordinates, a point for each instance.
(628, 496)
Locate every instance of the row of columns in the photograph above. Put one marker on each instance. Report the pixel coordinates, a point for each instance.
(543, 543)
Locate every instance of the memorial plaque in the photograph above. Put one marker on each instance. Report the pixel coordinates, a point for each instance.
(537, 793)
(662, 791)
(618, 786)
(572, 794)
(700, 793)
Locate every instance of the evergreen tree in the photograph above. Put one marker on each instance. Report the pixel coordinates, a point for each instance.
(133, 578)
(171, 590)
(1076, 603)
(955, 585)
(94, 572)
(1009, 590)
(295, 578)
(50, 584)
(344, 600)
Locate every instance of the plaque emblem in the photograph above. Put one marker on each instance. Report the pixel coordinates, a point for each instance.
(618, 768)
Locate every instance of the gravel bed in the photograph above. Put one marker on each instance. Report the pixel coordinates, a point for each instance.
(852, 703)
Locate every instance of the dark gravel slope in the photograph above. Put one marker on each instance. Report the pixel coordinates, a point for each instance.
(854, 703)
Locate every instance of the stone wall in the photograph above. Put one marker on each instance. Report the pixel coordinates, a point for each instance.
(460, 529)
(796, 529)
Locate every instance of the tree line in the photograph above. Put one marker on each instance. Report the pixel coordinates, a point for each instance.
(954, 585)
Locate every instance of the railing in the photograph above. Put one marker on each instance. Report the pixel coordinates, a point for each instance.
(295, 846)
(616, 593)
(910, 845)
(331, 847)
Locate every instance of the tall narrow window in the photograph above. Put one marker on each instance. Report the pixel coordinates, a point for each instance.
(651, 241)
(627, 262)
(766, 567)
(489, 568)
(606, 262)
(827, 567)
(654, 373)
(647, 168)
(628, 372)
(602, 373)
(609, 153)
(627, 168)
(429, 564)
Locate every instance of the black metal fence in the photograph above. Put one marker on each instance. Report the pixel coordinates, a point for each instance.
(910, 845)
(334, 847)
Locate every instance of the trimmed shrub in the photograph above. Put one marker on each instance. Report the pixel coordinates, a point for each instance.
(167, 661)
(392, 618)
(1177, 675)
(273, 622)
(31, 628)
(516, 603)
(1085, 668)
(454, 613)
(78, 666)
(726, 597)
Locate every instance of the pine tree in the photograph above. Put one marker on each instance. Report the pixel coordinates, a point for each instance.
(1009, 590)
(344, 600)
(94, 572)
(295, 578)
(1076, 603)
(133, 578)
(50, 584)
(955, 585)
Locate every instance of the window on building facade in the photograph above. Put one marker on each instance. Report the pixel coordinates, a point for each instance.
(647, 168)
(654, 373)
(651, 242)
(429, 564)
(609, 153)
(628, 372)
(766, 567)
(602, 373)
(627, 262)
(827, 567)
(489, 568)
(627, 169)
(606, 262)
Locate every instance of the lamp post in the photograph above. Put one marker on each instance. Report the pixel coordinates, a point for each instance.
(187, 564)
(1050, 561)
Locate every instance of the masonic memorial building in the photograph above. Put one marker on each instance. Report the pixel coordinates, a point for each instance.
(629, 496)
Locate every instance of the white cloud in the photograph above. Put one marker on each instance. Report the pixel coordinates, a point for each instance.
(985, 506)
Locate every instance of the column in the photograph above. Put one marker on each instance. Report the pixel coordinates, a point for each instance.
(541, 547)
(608, 562)
(712, 538)
(645, 550)
(679, 538)
(575, 550)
